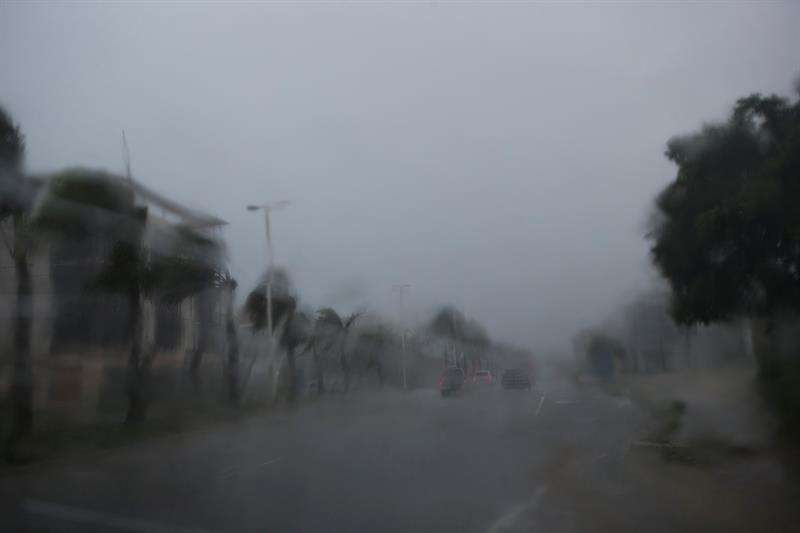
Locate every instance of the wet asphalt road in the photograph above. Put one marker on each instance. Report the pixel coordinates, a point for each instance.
(367, 462)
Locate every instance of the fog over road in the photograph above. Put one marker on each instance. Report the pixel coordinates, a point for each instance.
(383, 461)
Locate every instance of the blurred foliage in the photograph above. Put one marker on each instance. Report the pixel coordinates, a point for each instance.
(328, 341)
(475, 334)
(330, 329)
(448, 322)
(727, 231)
(451, 323)
(284, 303)
(123, 270)
(85, 203)
(779, 381)
(599, 342)
(283, 306)
(327, 317)
(12, 142)
(16, 194)
(12, 153)
(177, 278)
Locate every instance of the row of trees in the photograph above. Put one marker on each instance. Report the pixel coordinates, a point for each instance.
(361, 345)
(347, 345)
(322, 334)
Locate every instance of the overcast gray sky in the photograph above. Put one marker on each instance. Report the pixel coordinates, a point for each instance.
(501, 157)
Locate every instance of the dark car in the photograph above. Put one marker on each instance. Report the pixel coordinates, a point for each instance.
(516, 379)
(451, 381)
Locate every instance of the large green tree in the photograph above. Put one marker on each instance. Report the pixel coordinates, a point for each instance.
(726, 233)
(16, 196)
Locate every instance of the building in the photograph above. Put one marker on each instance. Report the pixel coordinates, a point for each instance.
(80, 337)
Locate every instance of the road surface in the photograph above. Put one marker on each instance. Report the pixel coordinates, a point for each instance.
(368, 462)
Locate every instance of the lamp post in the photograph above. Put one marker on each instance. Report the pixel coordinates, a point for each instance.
(400, 289)
(268, 208)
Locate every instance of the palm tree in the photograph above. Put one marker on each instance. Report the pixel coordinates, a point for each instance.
(189, 264)
(332, 332)
(15, 200)
(293, 335)
(290, 328)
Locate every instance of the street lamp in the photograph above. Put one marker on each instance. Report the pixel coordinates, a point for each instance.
(400, 289)
(268, 208)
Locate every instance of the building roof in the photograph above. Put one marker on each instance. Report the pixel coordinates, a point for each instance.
(192, 217)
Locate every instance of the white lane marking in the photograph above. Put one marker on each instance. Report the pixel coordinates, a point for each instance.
(541, 401)
(77, 515)
(232, 471)
(512, 520)
(229, 472)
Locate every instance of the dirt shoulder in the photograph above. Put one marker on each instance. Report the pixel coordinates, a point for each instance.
(702, 460)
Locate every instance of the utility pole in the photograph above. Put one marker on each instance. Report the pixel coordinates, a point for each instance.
(400, 289)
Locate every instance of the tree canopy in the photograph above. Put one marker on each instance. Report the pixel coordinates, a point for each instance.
(448, 322)
(726, 232)
(12, 142)
(85, 203)
(284, 304)
(451, 323)
(12, 152)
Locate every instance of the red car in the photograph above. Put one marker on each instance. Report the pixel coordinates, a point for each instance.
(482, 377)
